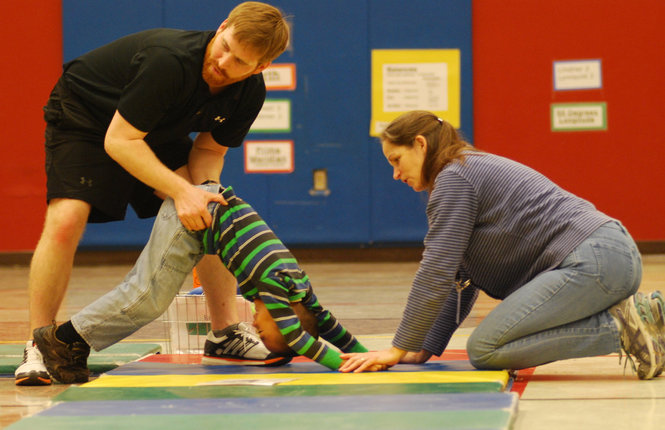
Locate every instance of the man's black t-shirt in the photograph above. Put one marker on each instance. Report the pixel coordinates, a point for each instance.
(153, 78)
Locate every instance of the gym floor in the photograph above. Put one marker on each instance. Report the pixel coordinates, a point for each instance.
(368, 297)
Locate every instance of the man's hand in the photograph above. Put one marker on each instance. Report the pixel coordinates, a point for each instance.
(192, 207)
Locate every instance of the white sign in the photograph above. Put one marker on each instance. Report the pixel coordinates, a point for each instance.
(415, 86)
(577, 75)
(269, 156)
(280, 76)
(275, 116)
(579, 116)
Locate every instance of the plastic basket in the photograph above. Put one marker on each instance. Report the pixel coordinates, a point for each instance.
(187, 322)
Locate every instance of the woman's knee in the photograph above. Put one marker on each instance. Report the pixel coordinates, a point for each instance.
(480, 351)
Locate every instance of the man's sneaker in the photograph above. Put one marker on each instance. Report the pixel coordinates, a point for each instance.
(640, 337)
(238, 344)
(32, 371)
(67, 363)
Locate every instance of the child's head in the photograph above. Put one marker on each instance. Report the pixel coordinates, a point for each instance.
(269, 332)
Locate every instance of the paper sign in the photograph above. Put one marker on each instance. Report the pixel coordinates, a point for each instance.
(275, 116)
(579, 116)
(577, 75)
(415, 86)
(269, 156)
(254, 382)
(280, 77)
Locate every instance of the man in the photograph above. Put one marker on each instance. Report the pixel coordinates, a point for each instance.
(117, 131)
(289, 318)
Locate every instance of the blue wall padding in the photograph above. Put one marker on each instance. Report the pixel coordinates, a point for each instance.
(331, 47)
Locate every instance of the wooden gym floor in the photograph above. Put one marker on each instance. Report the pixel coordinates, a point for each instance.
(368, 297)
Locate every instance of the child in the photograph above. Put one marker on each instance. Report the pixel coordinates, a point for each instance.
(267, 274)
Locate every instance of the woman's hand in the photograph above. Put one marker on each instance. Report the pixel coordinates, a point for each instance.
(416, 357)
(371, 361)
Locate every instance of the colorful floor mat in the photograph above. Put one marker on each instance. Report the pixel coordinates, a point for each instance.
(161, 392)
(415, 411)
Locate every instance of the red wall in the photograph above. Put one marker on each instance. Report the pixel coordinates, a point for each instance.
(621, 170)
(31, 34)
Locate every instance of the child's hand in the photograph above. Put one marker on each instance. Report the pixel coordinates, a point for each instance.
(371, 368)
(371, 361)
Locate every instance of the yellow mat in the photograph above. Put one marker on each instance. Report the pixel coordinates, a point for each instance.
(301, 379)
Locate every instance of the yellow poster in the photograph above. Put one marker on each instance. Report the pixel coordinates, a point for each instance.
(414, 79)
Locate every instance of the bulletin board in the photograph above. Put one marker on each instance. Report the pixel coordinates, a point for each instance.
(414, 79)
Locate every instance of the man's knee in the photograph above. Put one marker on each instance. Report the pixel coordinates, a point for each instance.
(66, 220)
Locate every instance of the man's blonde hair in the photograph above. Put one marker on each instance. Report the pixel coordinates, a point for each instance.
(261, 27)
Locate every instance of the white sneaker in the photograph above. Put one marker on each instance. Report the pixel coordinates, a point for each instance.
(640, 337)
(238, 344)
(32, 371)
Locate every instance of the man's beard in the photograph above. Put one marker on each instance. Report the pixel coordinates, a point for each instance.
(213, 79)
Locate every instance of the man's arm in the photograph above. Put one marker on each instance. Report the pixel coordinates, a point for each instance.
(206, 160)
(124, 143)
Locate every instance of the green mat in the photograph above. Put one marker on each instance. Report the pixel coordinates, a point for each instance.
(98, 362)
(76, 393)
(480, 419)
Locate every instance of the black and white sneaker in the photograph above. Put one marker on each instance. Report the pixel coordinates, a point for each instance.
(238, 345)
(32, 370)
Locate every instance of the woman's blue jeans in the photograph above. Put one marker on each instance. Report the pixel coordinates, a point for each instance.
(149, 288)
(562, 313)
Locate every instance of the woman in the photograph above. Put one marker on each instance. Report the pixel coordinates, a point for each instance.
(566, 273)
